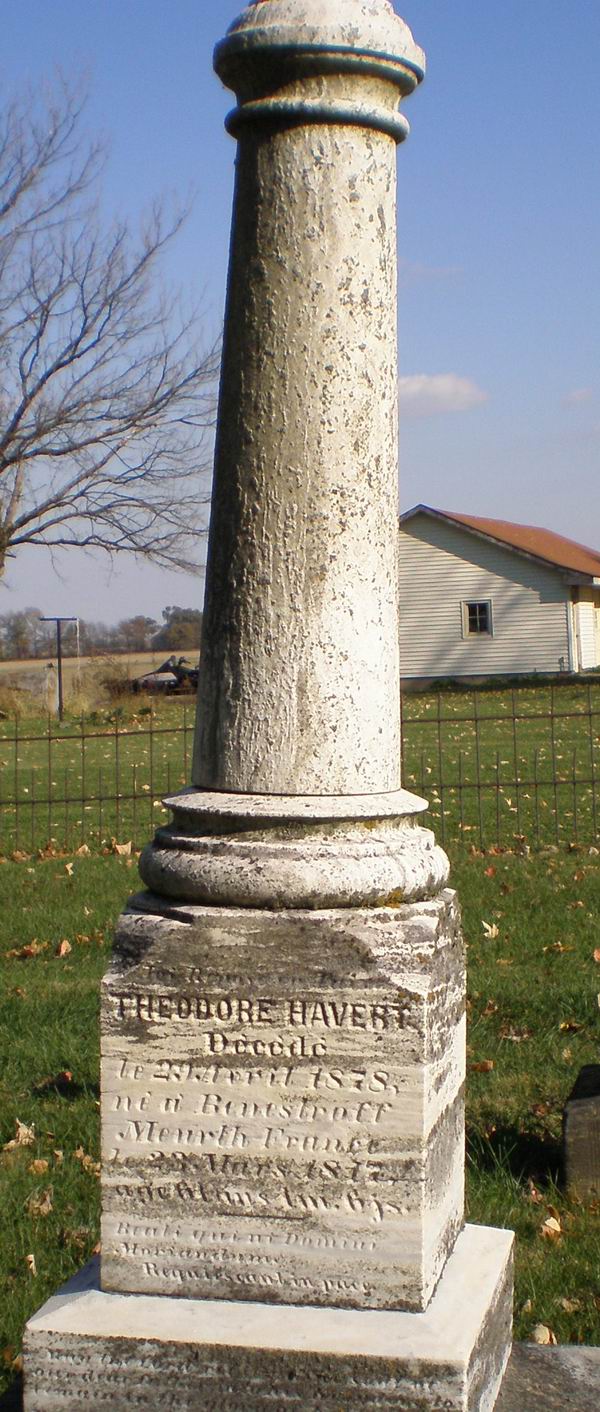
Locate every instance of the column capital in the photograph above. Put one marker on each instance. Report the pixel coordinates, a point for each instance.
(275, 45)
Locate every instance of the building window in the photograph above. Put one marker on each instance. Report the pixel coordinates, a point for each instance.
(477, 618)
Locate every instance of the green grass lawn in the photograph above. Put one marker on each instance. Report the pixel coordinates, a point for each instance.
(534, 1017)
(533, 1014)
(49, 1074)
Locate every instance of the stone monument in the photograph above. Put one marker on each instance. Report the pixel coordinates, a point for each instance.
(283, 1019)
(581, 1136)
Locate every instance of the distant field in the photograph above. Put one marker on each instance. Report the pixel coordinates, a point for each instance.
(13, 673)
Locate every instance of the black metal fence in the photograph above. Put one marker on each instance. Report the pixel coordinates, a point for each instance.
(500, 769)
(505, 768)
(95, 783)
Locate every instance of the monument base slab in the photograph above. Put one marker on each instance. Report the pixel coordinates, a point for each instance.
(89, 1347)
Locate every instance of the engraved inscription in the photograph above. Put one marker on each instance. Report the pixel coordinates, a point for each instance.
(272, 1142)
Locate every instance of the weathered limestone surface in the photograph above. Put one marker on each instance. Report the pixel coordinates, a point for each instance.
(299, 689)
(289, 863)
(282, 1103)
(88, 1348)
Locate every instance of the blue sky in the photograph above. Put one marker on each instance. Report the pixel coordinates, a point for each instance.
(499, 216)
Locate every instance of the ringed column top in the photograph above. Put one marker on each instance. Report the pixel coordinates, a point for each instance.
(312, 37)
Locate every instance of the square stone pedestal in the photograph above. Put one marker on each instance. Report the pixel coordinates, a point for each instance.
(282, 1103)
(88, 1348)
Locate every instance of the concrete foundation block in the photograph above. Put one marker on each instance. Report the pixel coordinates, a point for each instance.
(88, 1348)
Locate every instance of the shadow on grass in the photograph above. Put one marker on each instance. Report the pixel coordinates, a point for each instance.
(62, 1086)
(523, 1154)
(12, 1399)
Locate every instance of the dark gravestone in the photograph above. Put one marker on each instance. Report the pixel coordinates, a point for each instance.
(559, 1379)
(581, 1135)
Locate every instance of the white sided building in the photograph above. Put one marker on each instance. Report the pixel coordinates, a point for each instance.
(483, 597)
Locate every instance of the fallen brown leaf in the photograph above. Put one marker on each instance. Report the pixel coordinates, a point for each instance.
(69, 869)
(77, 1237)
(12, 1359)
(87, 1162)
(24, 1137)
(40, 1205)
(551, 1228)
(32, 948)
(83, 851)
(541, 1110)
(38, 1166)
(542, 1334)
(122, 849)
(64, 948)
(484, 1066)
(31, 1266)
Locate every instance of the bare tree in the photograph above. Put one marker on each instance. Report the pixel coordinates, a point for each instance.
(105, 399)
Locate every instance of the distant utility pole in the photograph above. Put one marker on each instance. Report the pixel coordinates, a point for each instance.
(59, 622)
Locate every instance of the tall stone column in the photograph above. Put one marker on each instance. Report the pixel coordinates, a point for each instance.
(300, 676)
(283, 1018)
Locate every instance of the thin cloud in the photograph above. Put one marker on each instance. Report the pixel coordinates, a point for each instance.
(428, 395)
(577, 396)
(412, 272)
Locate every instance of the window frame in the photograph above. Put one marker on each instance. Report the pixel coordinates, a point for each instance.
(488, 631)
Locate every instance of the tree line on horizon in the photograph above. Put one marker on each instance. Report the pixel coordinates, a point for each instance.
(23, 636)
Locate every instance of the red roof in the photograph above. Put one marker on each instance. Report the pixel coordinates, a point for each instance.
(529, 539)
